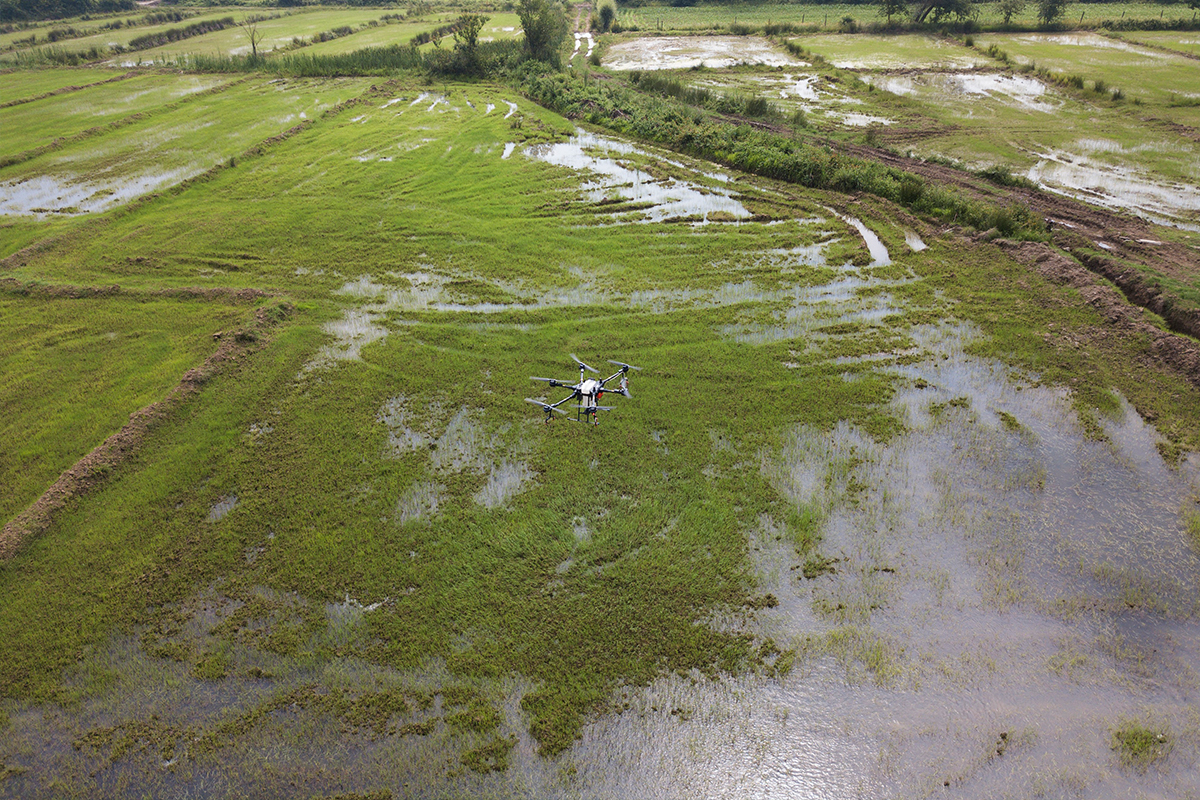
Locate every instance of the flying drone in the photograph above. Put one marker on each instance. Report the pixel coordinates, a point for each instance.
(588, 392)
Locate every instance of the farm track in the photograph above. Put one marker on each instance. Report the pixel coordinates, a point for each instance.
(1073, 224)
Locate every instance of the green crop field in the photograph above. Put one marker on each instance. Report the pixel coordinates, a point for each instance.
(343, 557)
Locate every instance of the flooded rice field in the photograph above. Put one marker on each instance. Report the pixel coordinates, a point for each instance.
(903, 52)
(1017, 91)
(998, 595)
(1085, 176)
(685, 52)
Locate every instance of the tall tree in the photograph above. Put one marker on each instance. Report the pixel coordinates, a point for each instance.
(249, 26)
(1010, 8)
(466, 41)
(893, 8)
(938, 10)
(545, 27)
(1051, 10)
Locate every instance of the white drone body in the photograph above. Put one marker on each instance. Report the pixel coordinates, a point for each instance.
(588, 392)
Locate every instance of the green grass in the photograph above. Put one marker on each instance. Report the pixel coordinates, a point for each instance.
(1138, 745)
(704, 17)
(1158, 74)
(32, 83)
(31, 125)
(74, 370)
(905, 51)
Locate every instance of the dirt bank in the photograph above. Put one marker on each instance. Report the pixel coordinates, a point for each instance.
(1178, 353)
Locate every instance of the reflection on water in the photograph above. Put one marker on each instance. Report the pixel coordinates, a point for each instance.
(668, 198)
(1119, 188)
(686, 52)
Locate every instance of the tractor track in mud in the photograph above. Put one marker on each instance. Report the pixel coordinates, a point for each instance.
(1076, 225)
(90, 471)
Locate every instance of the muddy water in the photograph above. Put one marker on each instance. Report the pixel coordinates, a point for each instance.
(668, 198)
(1121, 188)
(1013, 90)
(979, 636)
(685, 52)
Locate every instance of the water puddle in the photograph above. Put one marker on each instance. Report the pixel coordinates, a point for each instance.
(221, 508)
(508, 150)
(1017, 91)
(43, 195)
(1000, 593)
(505, 481)
(667, 198)
(914, 241)
(1118, 188)
(1094, 40)
(875, 247)
(685, 52)
(419, 501)
(580, 38)
(512, 108)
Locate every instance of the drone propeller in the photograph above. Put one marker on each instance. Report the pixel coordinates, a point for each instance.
(551, 381)
(623, 365)
(585, 366)
(544, 406)
(595, 408)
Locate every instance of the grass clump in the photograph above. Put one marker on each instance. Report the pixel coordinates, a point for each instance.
(1138, 745)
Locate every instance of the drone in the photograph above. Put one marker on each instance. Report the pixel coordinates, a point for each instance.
(588, 392)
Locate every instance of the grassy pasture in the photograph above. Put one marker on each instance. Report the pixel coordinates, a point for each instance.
(903, 51)
(32, 125)
(377, 36)
(160, 149)
(74, 369)
(276, 32)
(1184, 42)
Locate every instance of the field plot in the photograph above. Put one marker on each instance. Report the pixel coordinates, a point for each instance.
(276, 32)
(32, 125)
(1184, 42)
(881, 516)
(155, 150)
(121, 36)
(377, 36)
(75, 369)
(904, 52)
(33, 84)
(1149, 75)
(829, 17)
(686, 52)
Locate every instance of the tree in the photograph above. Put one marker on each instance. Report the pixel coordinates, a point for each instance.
(893, 8)
(1010, 8)
(938, 10)
(545, 27)
(249, 26)
(466, 41)
(1051, 10)
(606, 12)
